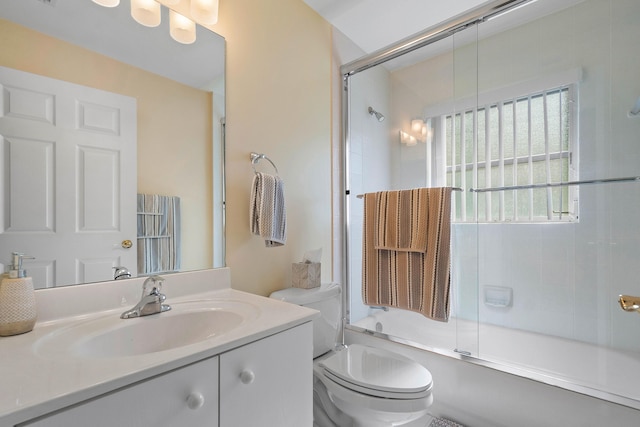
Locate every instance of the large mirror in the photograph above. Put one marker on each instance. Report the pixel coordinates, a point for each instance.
(154, 204)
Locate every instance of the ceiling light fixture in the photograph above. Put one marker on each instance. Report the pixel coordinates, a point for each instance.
(146, 12)
(407, 139)
(416, 125)
(182, 29)
(205, 11)
(107, 3)
(419, 130)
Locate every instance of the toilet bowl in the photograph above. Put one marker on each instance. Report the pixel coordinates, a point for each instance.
(375, 387)
(359, 385)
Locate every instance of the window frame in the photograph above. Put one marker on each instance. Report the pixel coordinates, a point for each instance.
(509, 96)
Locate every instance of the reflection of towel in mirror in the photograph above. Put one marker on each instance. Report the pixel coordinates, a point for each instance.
(268, 218)
(159, 241)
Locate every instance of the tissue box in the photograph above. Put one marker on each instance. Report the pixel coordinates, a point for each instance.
(305, 275)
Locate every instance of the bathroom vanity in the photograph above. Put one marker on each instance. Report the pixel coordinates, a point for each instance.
(219, 357)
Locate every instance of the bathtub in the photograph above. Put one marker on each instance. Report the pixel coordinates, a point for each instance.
(600, 372)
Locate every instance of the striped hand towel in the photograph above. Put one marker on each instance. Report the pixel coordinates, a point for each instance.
(403, 271)
(268, 217)
(401, 221)
(159, 236)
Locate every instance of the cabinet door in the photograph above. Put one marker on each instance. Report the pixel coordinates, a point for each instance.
(269, 382)
(187, 397)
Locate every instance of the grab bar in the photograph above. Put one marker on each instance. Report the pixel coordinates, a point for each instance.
(629, 303)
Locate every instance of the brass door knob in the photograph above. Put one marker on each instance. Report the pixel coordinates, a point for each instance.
(127, 244)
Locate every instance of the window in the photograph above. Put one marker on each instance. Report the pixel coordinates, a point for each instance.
(515, 142)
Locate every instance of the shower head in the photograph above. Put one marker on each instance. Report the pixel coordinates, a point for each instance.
(378, 115)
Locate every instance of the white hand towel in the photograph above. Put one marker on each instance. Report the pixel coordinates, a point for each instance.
(268, 218)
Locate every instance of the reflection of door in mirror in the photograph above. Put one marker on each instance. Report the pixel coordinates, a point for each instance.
(175, 86)
(69, 151)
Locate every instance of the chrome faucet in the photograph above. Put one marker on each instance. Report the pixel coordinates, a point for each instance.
(121, 273)
(151, 301)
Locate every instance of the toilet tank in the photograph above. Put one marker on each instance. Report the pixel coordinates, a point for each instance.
(325, 299)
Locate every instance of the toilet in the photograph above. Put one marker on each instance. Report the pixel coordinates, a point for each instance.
(359, 385)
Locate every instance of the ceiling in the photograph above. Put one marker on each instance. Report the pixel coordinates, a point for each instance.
(374, 24)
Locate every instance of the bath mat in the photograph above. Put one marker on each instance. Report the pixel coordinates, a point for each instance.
(441, 422)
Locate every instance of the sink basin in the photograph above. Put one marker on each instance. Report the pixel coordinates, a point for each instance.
(111, 337)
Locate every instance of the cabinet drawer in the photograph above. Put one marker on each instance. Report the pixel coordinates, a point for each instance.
(185, 397)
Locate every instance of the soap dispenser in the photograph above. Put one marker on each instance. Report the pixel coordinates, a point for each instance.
(17, 299)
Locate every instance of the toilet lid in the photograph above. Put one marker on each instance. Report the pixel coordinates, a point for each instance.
(378, 372)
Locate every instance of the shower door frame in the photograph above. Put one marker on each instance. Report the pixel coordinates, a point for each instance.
(431, 35)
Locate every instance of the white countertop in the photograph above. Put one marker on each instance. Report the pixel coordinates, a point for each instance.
(33, 384)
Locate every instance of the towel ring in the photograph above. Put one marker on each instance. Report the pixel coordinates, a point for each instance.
(255, 158)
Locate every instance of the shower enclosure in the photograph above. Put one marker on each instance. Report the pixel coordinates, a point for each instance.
(528, 107)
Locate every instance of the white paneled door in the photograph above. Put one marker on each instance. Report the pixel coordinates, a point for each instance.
(67, 178)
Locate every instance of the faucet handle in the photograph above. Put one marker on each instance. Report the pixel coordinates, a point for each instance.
(152, 285)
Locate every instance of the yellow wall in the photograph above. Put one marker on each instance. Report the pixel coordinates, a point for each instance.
(174, 157)
(278, 103)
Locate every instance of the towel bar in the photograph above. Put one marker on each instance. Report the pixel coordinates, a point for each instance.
(556, 184)
(255, 158)
(360, 196)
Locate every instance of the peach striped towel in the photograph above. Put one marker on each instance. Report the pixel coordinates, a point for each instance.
(401, 220)
(406, 250)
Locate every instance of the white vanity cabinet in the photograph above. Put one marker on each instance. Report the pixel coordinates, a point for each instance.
(186, 397)
(269, 382)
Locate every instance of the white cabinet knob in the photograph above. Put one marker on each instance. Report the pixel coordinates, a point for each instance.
(195, 400)
(247, 376)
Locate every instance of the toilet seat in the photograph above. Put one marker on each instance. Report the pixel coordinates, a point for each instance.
(377, 372)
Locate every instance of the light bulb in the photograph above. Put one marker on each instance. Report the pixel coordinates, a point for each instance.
(146, 12)
(404, 137)
(204, 11)
(183, 30)
(416, 125)
(107, 3)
